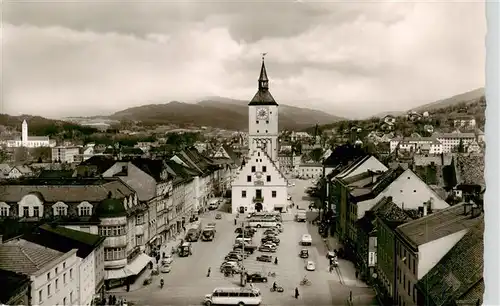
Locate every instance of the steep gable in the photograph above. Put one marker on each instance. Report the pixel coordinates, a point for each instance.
(259, 159)
(364, 164)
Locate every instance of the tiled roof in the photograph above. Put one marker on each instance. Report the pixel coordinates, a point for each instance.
(459, 274)
(470, 169)
(101, 162)
(65, 239)
(25, 257)
(382, 181)
(437, 225)
(153, 167)
(263, 97)
(11, 283)
(66, 190)
(390, 213)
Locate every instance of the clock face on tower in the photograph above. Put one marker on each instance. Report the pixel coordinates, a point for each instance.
(262, 114)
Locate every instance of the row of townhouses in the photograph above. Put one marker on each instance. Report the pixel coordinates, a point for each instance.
(414, 247)
(102, 224)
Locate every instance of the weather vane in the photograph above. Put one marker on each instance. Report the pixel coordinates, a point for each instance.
(263, 55)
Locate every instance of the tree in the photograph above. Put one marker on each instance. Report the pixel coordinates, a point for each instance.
(20, 155)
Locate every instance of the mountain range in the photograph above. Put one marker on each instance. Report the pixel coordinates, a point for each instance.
(229, 113)
(222, 113)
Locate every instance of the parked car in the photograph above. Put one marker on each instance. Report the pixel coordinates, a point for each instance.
(248, 248)
(248, 229)
(310, 266)
(267, 248)
(230, 265)
(270, 244)
(304, 253)
(218, 216)
(244, 255)
(256, 278)
(234, 257)
(272, 239)
(265, 258)
(271, 232)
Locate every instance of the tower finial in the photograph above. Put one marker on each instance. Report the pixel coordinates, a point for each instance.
(264, 55)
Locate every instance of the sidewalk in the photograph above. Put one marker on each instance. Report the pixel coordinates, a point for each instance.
(347, 268)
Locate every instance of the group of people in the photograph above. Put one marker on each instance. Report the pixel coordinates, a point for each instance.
(112, 300)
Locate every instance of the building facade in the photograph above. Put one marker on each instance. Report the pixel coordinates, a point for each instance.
(29, 141)
(65, 154)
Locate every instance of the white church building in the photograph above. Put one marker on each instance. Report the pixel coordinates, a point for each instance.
(29, 141)
(260, 185)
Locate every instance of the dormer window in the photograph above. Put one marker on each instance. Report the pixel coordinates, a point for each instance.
(60, 209)
(84, 209)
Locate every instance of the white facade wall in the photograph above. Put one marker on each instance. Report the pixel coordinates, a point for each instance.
(452, 141)
(65, 154)
(430, 253)
(243, 191)
(57, 288)
(87, 279)
(264, 130)
(407, 190)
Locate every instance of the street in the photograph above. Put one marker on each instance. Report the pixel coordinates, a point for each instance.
(187, 283)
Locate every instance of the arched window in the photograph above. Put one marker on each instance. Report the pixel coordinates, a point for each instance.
(84, 209)
(60, 209)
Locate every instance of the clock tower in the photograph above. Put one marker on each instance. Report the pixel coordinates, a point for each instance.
(263, 118)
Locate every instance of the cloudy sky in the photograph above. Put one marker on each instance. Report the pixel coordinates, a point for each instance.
(358, 58)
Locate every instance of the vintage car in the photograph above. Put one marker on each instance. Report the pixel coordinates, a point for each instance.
(310, 266)
(218, 216)
(304, 253)
(256, 278)
(267, 248)
(265, 258)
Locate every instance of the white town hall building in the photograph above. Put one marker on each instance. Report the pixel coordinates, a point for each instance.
(260, 185)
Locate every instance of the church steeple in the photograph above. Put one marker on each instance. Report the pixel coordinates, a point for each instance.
(263, 96)
(263, 80)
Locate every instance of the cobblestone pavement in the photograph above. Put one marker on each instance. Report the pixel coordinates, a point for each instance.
(187, 283)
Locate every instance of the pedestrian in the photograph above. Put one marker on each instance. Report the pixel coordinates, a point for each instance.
(357, 274)
(296, 292)
(110, 300)
(276, 260)
(208, 273)
(274, 286)
(234, 221)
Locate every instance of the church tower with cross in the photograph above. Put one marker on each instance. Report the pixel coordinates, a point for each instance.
(263, 118)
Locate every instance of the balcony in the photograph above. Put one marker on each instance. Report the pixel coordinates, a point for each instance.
(258, 199)
(115, 241)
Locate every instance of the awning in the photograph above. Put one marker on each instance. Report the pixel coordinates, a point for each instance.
(139, 263)
(133, 268)
(117, 273)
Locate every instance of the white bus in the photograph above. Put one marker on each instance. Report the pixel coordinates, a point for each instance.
(263, 222)
(213, 203)
(233, 296)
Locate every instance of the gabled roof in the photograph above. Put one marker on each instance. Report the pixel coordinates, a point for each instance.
(459, 274)
(64, 239)
(153, 167)
(437, 225)
(25, 257)
(349, 168)
(390, 213)
(101, 162)
(179, 172)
